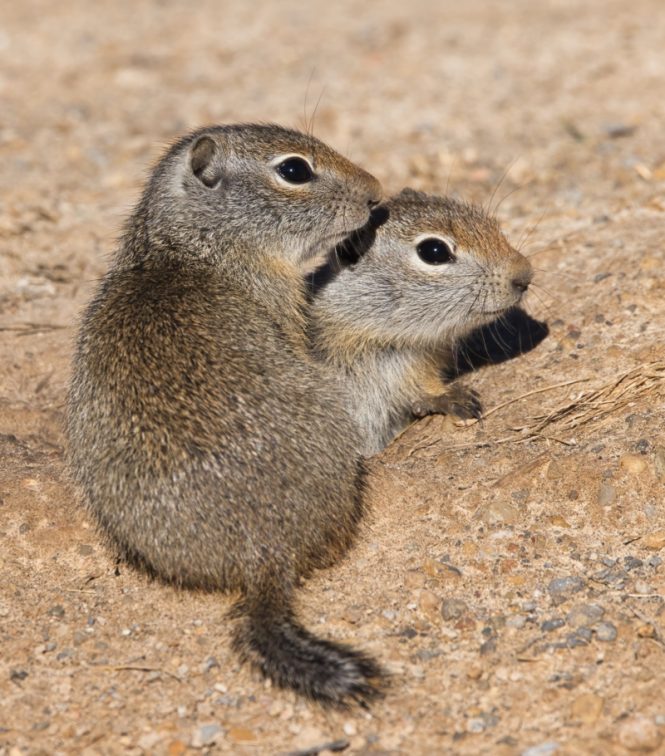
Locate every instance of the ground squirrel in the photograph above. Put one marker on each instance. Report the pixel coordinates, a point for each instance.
(387, 322)
(210, 447)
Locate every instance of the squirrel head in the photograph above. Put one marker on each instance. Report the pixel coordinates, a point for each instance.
(436, 269)
(256, 189)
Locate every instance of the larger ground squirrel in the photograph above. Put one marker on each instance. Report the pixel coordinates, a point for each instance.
(211, 449)
(386, 323)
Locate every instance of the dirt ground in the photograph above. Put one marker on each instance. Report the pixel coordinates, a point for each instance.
(511, 577)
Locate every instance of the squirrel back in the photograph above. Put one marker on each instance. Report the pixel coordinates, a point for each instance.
(208, 445)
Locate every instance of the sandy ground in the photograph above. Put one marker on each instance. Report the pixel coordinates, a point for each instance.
(511, 576)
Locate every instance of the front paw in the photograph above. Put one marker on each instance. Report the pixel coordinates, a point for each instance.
(459, 401)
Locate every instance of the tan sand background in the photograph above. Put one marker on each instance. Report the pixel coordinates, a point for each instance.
(512, 580)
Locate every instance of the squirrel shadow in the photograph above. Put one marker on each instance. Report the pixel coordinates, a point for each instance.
(512, 335)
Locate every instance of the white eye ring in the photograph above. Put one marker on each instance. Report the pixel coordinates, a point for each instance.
(293, 170)
(434, 251)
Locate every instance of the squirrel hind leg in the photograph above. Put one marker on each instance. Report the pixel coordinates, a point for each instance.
(270, 639)
(457, 400)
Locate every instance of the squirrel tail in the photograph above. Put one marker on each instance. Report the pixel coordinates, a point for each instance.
(268, 636)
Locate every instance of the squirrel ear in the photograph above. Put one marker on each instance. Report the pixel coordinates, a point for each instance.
(409, 192)
(205, 161)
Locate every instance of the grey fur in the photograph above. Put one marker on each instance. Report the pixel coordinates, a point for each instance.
(387, 324)
(209, 445)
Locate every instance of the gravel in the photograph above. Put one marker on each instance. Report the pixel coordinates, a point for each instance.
(605, 631)
(562, 588)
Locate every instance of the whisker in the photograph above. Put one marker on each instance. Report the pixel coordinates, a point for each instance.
(529, 232)
(541, 301)
(498, 184)
(556, 273)
(547, 291)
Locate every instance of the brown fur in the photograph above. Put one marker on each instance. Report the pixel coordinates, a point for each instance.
(208, 445)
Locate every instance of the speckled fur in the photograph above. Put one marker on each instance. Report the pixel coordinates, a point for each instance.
(387, 324)
(209, 446)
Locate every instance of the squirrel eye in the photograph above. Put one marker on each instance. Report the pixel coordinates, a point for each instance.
(435, 251)
(295, 170)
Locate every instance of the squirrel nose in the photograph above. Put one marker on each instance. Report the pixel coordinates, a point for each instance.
(521, 281)
(522, 278)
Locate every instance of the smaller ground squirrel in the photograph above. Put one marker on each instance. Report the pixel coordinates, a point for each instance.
(209, 444)
(434, 271)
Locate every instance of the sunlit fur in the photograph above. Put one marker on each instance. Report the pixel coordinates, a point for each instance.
(209, 446)
(387, 324)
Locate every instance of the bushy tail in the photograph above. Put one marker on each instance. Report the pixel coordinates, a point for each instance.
(269, 637)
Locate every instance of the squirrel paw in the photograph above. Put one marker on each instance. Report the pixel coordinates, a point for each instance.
(459, 401)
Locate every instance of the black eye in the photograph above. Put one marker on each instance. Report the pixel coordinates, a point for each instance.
(295, 170)
(435, 251)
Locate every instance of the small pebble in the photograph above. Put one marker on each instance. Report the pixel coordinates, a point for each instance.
(560, 588)
(605, 631)
(659, 461)
(654, 541)
(502, 512)
(241, 735)
(205, 735)
(582, 615)
(475, 725)
(488, 647)
(148, 741)
(516, 621)
(474, 672)
(57, 611)
(584, 633)
(429, 604)
(615, 577)
(633, 464)
(606, 495)
(453, 608)
(210, 663)
(639, 734)
(643, 588)
(80, 637)
(587, 708)
(552, 624)
(542, 749)
(575, 640)
(620, 130)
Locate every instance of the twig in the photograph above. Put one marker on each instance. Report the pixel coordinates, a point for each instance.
(135, 668)
(524, 396)
(28, 329)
